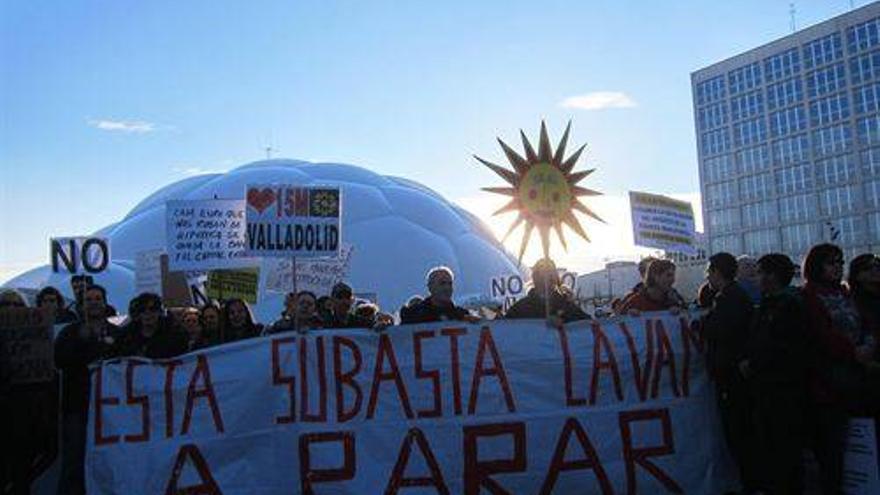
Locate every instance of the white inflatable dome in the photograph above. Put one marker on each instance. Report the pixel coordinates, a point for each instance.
(399, 229)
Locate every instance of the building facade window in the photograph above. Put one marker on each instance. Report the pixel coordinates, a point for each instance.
(826, 81)
(829, 110)
(728, 243)
(749, 132)
(871, 162)
(849, 230)
(724, 220)
(757, 186)
(832, 139)
(794, 179)
(863, 35)
(868, 130)
(788, 121)
(784, 93)
(744, 78)
(836, 170)
(865, 67)
(838, 200)
(874, 225)
(715, 142)
(759, 214)
(718, 168)
(798, 208)
(872, 193)
(867, 98)
(754, 159)
(713, 116)
(797, 239)
(721, 194)
(822, 51)
(711, 90)
(791, 150)
(759, 242)
(745, 106)
(783, 65)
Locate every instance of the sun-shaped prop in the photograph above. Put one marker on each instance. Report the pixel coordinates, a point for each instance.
(544, 190)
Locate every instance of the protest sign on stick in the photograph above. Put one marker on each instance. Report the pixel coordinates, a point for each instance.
(242, 283)
(79, 254)
(26, 350)
(317, 275)
(663, 223)
(206, 235)
(291, 221)
(148, 271)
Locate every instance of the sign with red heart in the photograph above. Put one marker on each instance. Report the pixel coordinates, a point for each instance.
(260, 199)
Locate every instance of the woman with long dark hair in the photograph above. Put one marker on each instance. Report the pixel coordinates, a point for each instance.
(841, 350)
(238, 321)
(150, 333)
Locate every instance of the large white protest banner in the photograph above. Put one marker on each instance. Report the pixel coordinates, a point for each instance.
(317, 275)
(79, 254)
(206, 234)
(293, 221)
(617, 406)
(663, 223)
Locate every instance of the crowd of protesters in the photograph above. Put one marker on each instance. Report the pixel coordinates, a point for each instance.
(790, 364)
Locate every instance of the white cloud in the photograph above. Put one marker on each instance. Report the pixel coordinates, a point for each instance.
(599, 100)
(126, 126)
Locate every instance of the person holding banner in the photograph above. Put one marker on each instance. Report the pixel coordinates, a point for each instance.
(300, 314)
(726, 328)
(150, 333)
(546, 299)
(50, 299)
(438, 306)
(238, 322)
(190, 323)
(776, 367)
(78, 345)
(657, 293)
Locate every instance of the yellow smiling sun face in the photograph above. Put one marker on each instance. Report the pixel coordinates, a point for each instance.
(543, 189)
(544, 194)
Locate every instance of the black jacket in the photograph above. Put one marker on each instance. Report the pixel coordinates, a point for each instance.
(726, 328)
(532, 306)
(426, 312)
(165, 343)
(348, 320)
(73, 354)
(778, 346)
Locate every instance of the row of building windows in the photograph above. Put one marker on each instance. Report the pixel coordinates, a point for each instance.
(832, 170)
(863, 36)
(798, 238)
(838, 196)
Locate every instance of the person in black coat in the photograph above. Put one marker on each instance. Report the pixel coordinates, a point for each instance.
(726, 327)
(776, 365)
(238, 321)
(78, 345)
(438, 306)
(151, 333)
(546, 287)
(50, 298)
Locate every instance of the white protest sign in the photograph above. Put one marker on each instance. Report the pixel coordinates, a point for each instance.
(663, 223)
(291, 221)
(148, 271)
(861, 474)
(317, 275)
(76, 254)
(506, 289)
(619, 406)
(206, 234)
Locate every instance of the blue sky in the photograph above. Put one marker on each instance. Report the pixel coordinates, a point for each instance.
(103, 102)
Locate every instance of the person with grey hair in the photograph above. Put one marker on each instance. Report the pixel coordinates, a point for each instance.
(438, 306)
